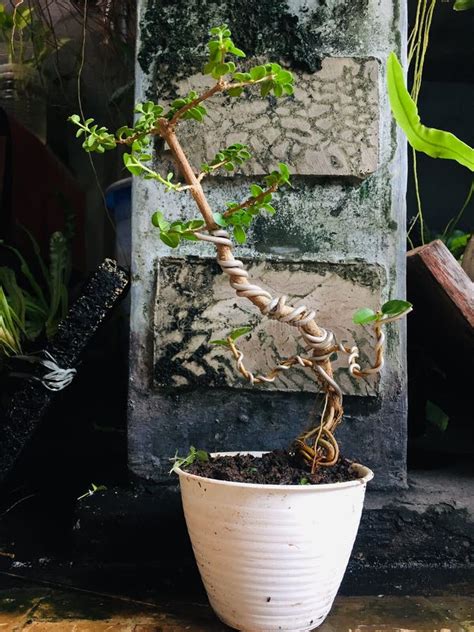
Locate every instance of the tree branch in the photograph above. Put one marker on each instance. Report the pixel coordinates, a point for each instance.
(251, 201)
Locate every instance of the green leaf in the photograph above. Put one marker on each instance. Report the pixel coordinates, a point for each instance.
(284, 77)
(237, 52)
(195, 223)
(224, 343)
(285, 172)
(457, 242)
(364, 315)
(288, 88)
(266, 88)
(239, 234)
(220, 219)
(239, 332)
(170, 239)
(208, 68)
(235, 92)
(202, 455)
(257, 72)
(177, 227)
(433, 142)
(131, 165)
(256, 190)
(435, 415)
(463, 5)
(192, 456)
(242, 76)
(277, 90)
(222, 69)
(395, 307)
(195, 114)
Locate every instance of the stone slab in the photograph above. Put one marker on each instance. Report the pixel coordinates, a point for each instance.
(195, 304)
(329, 127)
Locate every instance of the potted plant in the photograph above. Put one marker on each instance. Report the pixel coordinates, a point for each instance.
(25, 42)
(32, 306)
(259, 523)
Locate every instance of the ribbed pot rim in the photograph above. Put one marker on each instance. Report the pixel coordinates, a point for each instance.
(366, 475)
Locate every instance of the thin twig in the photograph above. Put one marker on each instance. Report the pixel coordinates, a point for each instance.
(251, 201)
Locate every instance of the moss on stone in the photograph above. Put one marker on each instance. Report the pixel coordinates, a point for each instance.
(173, 33)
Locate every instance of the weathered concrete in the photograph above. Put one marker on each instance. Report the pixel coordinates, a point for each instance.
(342, 233)
(426, 527)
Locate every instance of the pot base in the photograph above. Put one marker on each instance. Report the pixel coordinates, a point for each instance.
(272, 557)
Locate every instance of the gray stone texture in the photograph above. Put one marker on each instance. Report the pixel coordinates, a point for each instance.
(194, 305)
(336, 243)
(329, 127)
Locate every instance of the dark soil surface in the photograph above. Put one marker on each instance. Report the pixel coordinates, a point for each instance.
(274, 468)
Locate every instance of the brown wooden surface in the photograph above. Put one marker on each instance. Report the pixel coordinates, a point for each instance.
(439, 279)
(468, 259)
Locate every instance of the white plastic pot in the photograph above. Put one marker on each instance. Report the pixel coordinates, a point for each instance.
(272, 557)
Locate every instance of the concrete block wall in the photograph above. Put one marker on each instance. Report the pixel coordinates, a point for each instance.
(336, 243)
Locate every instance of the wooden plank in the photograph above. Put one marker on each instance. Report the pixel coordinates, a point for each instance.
(29, 402)
(468, 259)
(439, 276)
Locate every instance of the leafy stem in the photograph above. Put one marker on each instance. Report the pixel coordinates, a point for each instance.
(138, 168)
(180, 462)
(251, 201)
(195, 102)
(390, 311)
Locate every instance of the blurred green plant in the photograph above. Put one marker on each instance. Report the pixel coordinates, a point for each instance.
(37, 305)
(433, 142)
(29, 41)
(463, 5)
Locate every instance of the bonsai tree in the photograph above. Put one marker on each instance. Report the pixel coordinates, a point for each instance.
(317, 446)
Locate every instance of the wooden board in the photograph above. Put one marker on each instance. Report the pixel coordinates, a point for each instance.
(468, 259)
(435, 276)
